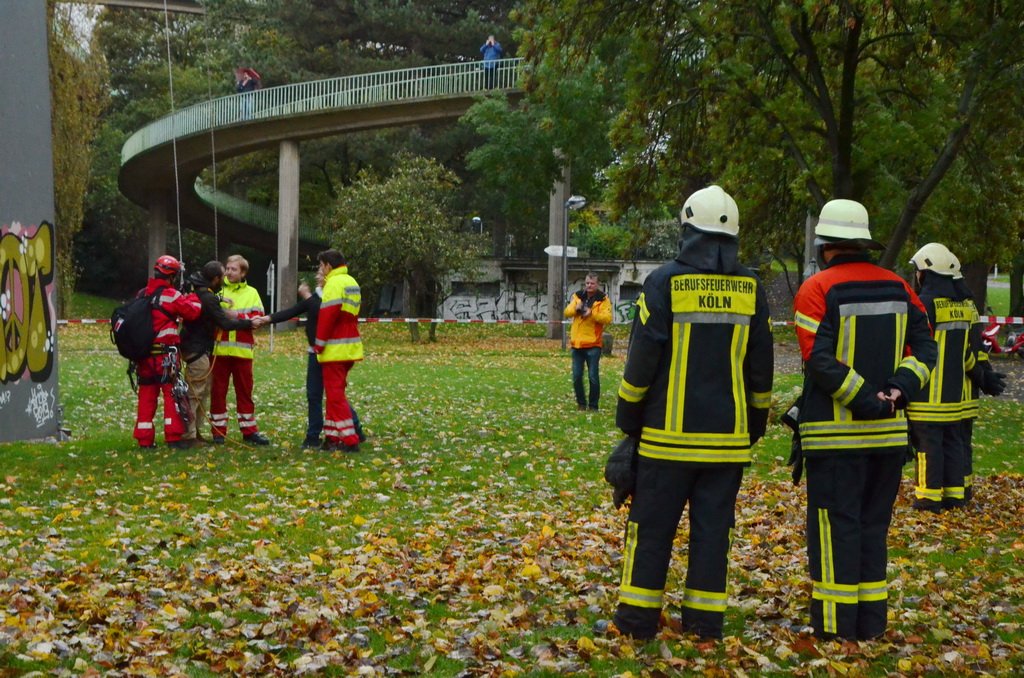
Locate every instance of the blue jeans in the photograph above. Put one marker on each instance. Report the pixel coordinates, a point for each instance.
(592, 357)
(315, 400)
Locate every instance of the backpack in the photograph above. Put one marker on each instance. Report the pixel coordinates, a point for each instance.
(131, 326)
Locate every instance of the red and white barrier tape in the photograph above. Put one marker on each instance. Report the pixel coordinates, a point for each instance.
(1002, 320)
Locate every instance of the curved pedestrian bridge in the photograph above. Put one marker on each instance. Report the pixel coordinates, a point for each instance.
(242, 123)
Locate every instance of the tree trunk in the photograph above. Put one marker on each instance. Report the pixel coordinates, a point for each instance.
(409, 311)
(1017, 286)
(976, 277)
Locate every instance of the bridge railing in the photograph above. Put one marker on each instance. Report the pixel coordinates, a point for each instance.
(370, 89)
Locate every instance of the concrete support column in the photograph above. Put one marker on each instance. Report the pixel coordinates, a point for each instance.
(287, 227)
(560, 193)
(156, 239)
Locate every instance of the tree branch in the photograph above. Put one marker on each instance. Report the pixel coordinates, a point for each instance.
(919, 196)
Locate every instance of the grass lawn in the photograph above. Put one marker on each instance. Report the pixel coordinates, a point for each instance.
(472, 535)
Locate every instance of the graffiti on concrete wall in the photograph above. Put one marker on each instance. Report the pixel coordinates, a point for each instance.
(27, 317)
(517, 301)
(524, 301)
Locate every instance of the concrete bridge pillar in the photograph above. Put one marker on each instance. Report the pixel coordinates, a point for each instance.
(287, 227)
(156, 239)
(556, 215)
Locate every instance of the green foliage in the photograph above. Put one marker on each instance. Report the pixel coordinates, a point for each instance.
(524, 147)
(78, 94)
(901, 105)
(401, 229)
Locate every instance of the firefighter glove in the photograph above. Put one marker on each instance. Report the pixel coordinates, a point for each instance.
(620, 469)
(993, 383)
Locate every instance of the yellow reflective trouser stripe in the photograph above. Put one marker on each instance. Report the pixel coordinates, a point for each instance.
(843, 594)
(709, 601)
(629, 594)
(968, 480)
(849, 389)
(761, 401)
(630, 393)
(638, 597)
(828, 607)
(953, 493)
(739, 389)
(921, 491)
(675, 396)
(868, 591)
(806, 322)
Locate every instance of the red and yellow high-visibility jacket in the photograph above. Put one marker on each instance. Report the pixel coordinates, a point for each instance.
(337, 327)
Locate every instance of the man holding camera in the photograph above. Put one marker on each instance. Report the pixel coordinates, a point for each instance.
(491, 52)
(590, 310)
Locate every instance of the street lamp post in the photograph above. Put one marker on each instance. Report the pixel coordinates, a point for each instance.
(574, 202)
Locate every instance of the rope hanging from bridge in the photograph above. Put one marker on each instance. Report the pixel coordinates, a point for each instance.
(213, 124)
(174, 134)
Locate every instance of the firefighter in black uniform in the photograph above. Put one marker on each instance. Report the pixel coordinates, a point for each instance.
(696, 392)
(981, 379)
(867, 347)
(936, 412)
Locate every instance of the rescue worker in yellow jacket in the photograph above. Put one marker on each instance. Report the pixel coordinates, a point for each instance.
(233, 357)
(696, 391)
(338, 346)
(590, 310)
(867, 348)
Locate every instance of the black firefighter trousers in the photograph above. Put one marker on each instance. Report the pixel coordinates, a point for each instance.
(849, 508)
(663, 489)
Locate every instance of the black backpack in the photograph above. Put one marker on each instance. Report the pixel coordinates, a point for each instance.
(131, 326)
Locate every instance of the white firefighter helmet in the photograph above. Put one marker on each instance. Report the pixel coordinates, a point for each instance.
(844, 221)
(957, 272)
(937, 258)
(712, 210)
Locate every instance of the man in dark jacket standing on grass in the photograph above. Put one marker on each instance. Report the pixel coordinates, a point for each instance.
(197, 341)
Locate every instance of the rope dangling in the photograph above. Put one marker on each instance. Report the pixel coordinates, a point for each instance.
(174, 131)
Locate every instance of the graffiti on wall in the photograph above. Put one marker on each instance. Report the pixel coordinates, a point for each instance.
(27, 318)
(524, 301)
(517, 301)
